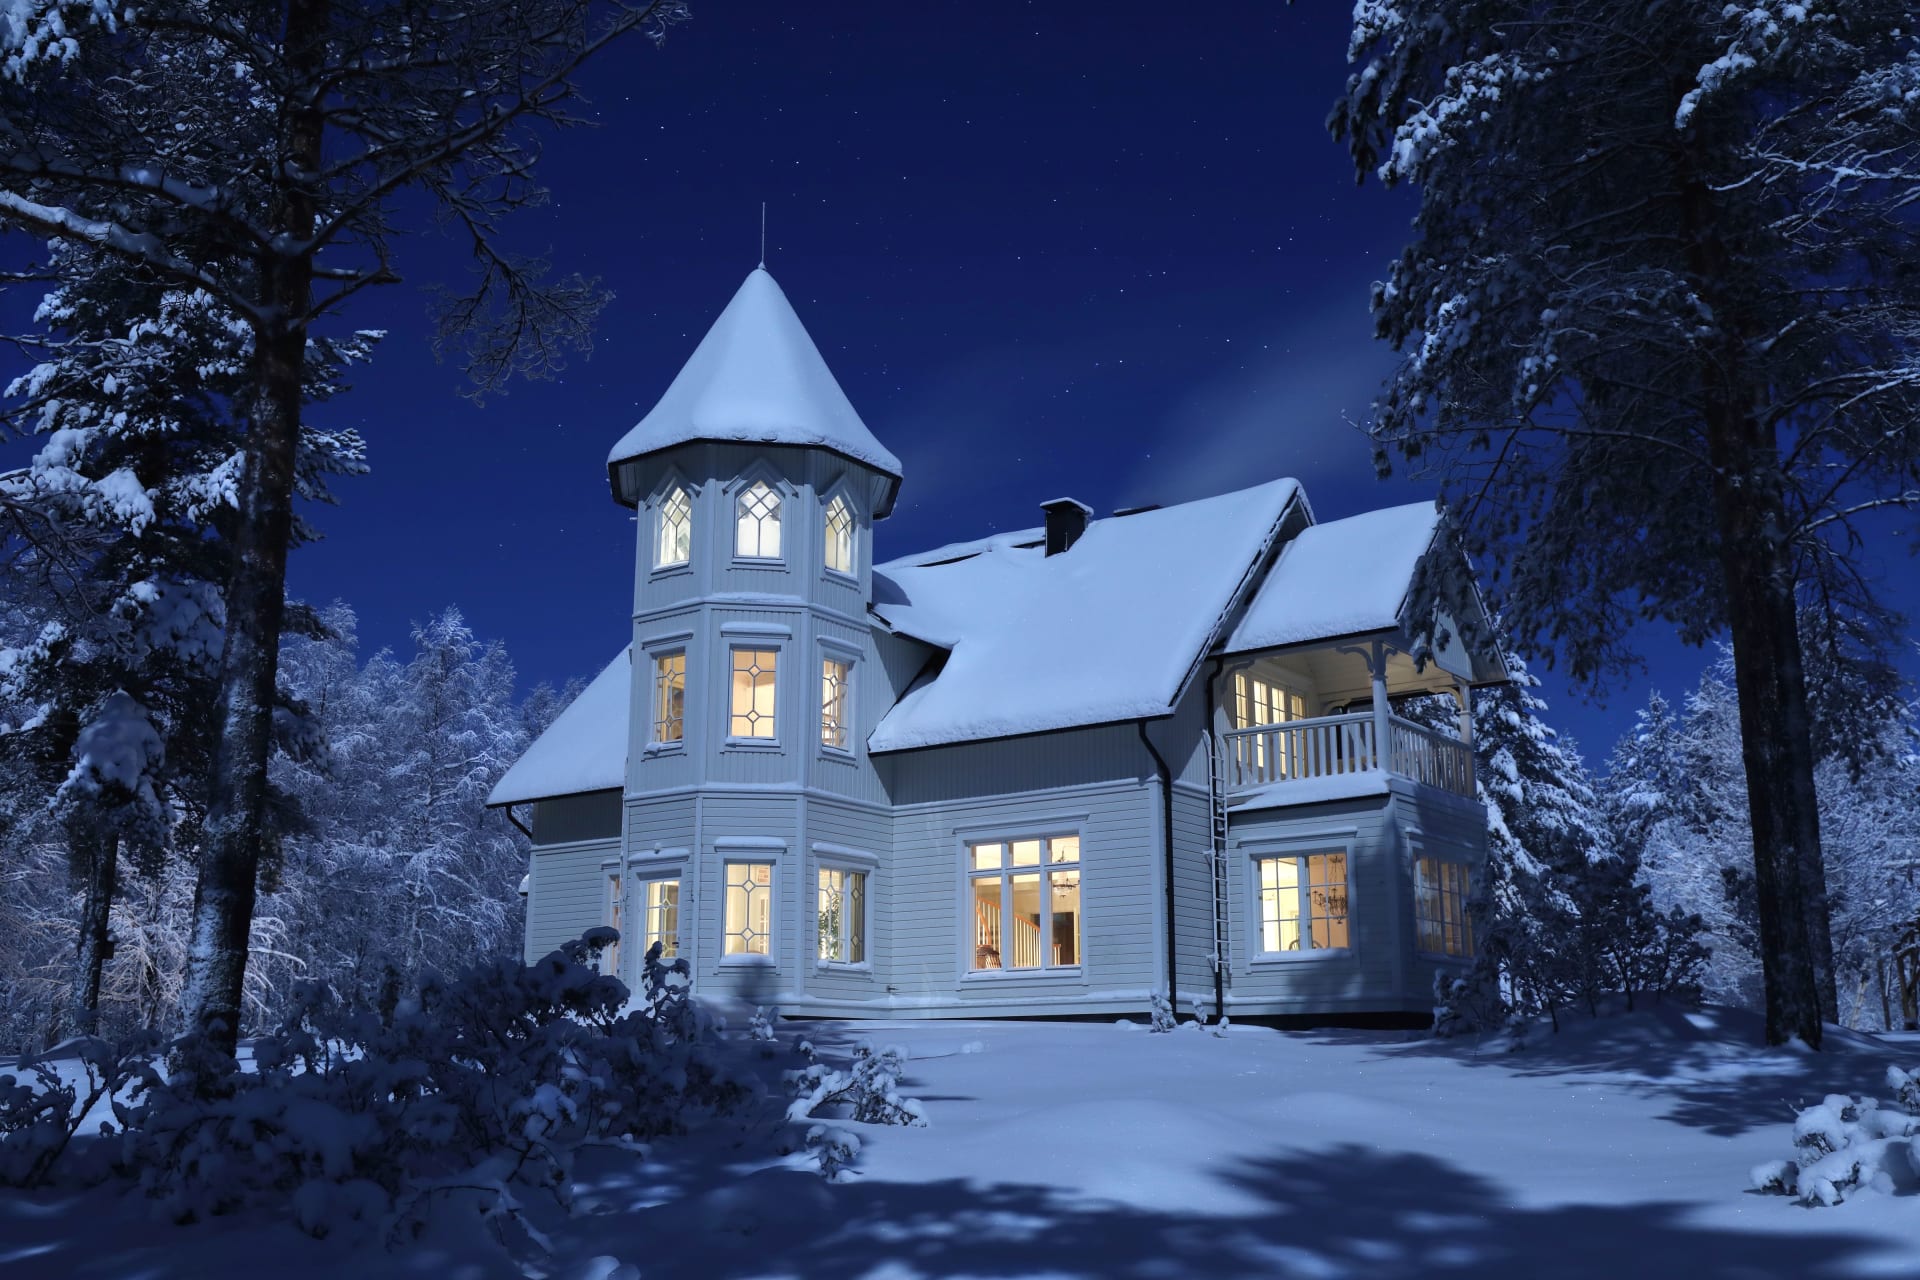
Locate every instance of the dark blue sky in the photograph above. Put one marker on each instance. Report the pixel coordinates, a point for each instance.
(1105, 250)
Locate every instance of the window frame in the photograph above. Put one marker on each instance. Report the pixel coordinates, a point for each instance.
(657, 745)
(1299, 849)
(846, 654)
(1045, 830)
(614, 886)
(657, 510)
(1293, 695)
(851, 574)
(1463, 898)
(744, 856)
(746, 643)
(643, 879)
(783, 493)
(845, 865)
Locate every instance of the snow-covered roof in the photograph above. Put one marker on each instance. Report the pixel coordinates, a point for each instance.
(1342, 578)
(757, 377)
(584, 749)
(1108, 630)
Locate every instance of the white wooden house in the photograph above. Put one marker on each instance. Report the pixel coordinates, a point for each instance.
(1048, 772)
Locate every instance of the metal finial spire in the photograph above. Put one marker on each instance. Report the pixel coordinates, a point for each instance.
(763, 235)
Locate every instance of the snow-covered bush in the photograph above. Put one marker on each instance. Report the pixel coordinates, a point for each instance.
(1846, 1142)
(1163, 1019)
(868, 1091)
(41, 1114)
(475, 1088)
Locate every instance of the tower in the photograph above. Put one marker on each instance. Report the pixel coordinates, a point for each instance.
(755, 485)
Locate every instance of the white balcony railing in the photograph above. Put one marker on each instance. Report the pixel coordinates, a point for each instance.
(1329, 746)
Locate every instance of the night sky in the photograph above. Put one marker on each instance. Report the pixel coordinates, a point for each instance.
(1104, 250)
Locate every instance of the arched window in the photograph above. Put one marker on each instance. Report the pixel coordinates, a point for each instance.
(756, 523)
(839, 535)
(673, 543)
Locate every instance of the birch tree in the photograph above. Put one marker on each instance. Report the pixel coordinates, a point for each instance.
(261, 151)
(1658, 324)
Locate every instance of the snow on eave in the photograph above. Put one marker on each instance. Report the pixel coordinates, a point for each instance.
(756, 377)
(583, 750)
(1111, 631)
(1345, 578)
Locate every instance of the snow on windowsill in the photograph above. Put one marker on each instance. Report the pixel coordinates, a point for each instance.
(1049, 974)
(864, 967)
(1315, 955)
(748, 961)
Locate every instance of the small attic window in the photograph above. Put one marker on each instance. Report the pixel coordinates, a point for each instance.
(673, 543)
(756, 523)
(839, 550)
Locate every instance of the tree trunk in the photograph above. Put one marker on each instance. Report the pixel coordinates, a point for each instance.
(223, 899)
(1763, 623)
(1776, 740)
(99, 855)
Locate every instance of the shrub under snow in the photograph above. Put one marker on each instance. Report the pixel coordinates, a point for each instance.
(1846, 1142)
(869, 1090)
(478, 1088)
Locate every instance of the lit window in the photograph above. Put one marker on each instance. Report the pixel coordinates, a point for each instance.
(751, 714)
(756, 524)
(839, 535)
(674, 541)
(749, 908)
(843, 916)
(1441, 890)
(1258, 702)
(1025, 903)
(670, 697)
(835, 676)
(616, 899)
(1303, 903)
(662, 923)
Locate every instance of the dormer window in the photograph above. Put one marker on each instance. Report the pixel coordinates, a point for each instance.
(839, 553)
(673, 542)
(756, 523)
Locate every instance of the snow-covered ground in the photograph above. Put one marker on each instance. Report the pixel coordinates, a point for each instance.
(1618, 1148)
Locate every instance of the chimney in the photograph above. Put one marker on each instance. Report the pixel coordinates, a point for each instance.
(1066, 521)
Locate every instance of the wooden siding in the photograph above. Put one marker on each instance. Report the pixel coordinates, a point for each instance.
(566, 892)
(1014, 766)
(1193, 895)
(593, 816)
(1119, 925)
(1369, 975)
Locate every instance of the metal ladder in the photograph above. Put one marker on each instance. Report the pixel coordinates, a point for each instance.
(1217, 860)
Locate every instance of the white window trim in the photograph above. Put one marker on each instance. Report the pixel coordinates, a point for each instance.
(656, 746)
(837, 652)
(757, 642)
(828, 857)
(760, 473)
(673, 481)
(739, 851)
(1421, 853)
(663, 866)
(616, 886)
(849, 576)
(1298, 847)
(1046, 828)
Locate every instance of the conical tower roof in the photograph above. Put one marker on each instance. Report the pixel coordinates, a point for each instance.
(757, 377)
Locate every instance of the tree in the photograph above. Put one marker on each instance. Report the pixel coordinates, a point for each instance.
(1559, 915)
(1658, 324)
(260, 151)
(122, 518)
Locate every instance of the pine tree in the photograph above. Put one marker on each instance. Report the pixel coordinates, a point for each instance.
(262, 152)
(1658, 324)
(129, 499)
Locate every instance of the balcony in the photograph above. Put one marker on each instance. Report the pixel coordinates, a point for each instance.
(1340, 746)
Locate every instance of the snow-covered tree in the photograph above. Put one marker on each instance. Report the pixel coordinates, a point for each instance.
(1659, 339)
(120, 552)
(1559, 917)
(262, 153)
(1677, 790)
